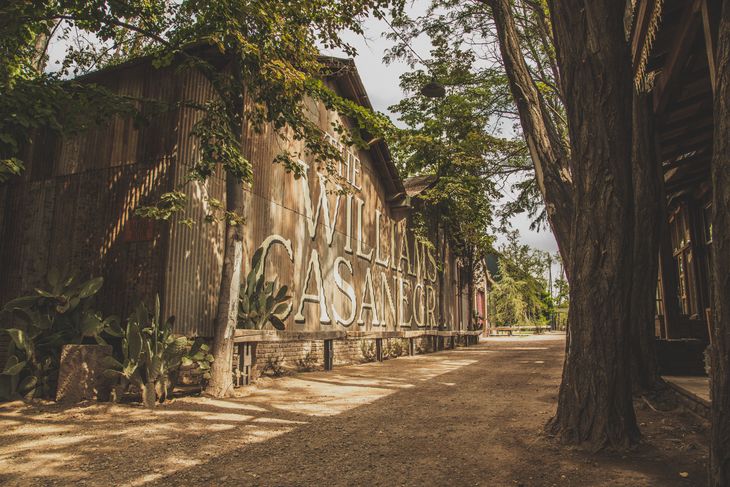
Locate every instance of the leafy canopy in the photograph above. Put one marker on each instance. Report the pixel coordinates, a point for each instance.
(267, 49)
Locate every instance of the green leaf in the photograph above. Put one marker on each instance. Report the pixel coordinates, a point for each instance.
(13, 367)
(22, 302)
(46, 294)
(112, 327)
(134, 341)
(19, 338)
(277, 323)
(110, 362)
(91, 287)
(28, 385)
(91, 325)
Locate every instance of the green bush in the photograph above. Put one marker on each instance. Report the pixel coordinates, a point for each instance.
(274, 366)
(307, 363)
(40, 324)
(261, 302)
(367, 348)
(152, 355)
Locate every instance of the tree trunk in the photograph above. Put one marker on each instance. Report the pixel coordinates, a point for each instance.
(221, 376)
(595, 402)
(470, 323)
(441, 242)
(720, 376)
(649, 222)
(546, 148)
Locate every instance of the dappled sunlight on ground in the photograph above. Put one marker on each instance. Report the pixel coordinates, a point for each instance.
(470, 416)
(107, 442)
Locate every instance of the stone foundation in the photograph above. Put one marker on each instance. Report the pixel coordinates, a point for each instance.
(80, 373)
(276, 358)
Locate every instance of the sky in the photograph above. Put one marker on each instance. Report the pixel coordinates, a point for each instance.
(381, 82)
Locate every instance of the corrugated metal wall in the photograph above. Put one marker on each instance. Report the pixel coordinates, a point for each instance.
(195, 256)
(73, 207)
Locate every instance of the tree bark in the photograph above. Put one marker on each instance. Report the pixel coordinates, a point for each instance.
(648, 225)
(548, 154)
(221, 380)
(221, 371)
(595, 405)
(720, 376)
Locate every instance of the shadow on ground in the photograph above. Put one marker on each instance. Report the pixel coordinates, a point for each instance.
(471, 416)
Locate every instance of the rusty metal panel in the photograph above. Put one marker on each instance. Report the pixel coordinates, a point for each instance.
(195, 253)
(79, 215)
(82, 216)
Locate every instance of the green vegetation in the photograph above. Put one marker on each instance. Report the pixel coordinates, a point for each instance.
(147, 354)
(520, 295)
(40, 324)
(152, 355)
(262, 302)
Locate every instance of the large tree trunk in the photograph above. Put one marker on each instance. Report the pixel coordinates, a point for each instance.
(595, 402)
(549, 156)
(221, 381)
(720, 388)
(648, 225)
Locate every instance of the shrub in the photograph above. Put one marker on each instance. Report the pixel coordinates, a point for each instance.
(307, 363)
(152, 356)
(396, 349)
(40, 324)
(367, 348)
(261, 302)
(274, 366)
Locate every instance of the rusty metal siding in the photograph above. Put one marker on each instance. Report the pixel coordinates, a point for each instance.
(73, 209)
(195, 254)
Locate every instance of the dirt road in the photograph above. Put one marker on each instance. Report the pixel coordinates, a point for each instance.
(472, 416)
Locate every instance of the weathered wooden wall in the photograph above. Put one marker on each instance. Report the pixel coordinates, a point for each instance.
(73, 207)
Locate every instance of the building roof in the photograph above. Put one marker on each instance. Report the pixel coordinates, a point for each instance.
(672, 42)
(344, 74)
(418, 184)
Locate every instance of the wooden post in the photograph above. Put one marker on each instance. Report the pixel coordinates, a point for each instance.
(411, 347)
(668, 270)
(243, 372)
(379, 349)
(329, 354)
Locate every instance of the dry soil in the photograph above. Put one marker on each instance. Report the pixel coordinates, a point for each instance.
(471, 416)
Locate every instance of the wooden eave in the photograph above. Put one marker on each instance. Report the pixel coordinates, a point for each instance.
(681, 61)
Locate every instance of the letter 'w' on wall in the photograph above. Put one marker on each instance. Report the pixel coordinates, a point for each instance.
(323, 206)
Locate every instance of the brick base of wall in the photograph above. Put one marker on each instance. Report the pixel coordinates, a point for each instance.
(287, 357)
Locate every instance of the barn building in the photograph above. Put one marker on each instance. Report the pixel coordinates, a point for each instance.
(353, 267)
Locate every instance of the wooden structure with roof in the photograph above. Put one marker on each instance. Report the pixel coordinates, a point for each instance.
(673, 45)
(350, 260)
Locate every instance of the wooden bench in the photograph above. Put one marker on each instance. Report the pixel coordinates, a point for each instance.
(511, 329)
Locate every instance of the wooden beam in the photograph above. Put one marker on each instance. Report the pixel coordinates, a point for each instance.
(666, 81)
(710, 12)
(641, 27)
(668, 270)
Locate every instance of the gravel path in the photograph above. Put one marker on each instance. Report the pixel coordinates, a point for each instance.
(471, 416)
